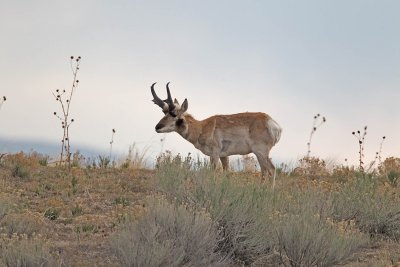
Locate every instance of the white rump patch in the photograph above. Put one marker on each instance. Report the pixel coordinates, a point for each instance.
(275, 130)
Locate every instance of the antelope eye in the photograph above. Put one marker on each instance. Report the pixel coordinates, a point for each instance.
(172, 114)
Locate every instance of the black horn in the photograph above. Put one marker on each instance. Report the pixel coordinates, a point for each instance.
(169, 100)
(156, 100)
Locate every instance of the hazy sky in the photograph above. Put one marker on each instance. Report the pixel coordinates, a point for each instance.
(290, 59)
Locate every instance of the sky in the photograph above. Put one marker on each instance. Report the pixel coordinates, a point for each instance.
(289, 59)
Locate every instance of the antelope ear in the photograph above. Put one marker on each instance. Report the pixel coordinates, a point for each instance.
(184, 107)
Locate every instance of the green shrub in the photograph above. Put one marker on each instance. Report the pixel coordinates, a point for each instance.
(74, 184)
(305, 239)
(390, 168)
(19, 171)
(251, 218)
(86, 228)
(24, 252)
(52, 214)
(169, 235)
(241, 213)
(375, 213)
(77, 210)
(5, 206)
(393, 177)
(104, 161)
(121, 201)
(172, 171)
(20, 224)
(43, 161)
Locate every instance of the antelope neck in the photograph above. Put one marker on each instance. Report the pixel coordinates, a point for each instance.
(192, 130)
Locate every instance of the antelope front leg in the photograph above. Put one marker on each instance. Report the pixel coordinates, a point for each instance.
(214, 161)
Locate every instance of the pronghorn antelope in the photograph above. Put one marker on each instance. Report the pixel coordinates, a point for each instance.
(221, 136)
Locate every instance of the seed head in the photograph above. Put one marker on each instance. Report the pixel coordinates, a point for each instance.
(72, 57)
(55, 113)
(353, 133)
(113, 130)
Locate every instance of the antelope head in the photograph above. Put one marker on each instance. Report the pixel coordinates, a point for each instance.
(174, 119)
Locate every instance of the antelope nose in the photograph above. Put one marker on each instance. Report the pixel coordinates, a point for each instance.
(159, 126)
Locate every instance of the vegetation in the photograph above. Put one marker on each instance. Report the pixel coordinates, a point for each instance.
(361, 143)
(65, 104)
(111, 142)
(318, 121)
(287, 226)
(26, 252)
(183, 213)
(2, 100)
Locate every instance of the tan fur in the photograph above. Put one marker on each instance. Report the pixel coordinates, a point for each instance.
(220, 136)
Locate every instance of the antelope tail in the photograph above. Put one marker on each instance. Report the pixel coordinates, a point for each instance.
(275, 130)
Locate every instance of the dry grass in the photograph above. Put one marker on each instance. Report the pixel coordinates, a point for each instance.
(53, 217)
(73, 213)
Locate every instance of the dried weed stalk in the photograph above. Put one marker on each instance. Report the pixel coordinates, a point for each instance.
(112, 142)
(2, 100)
(65, 103)
(137, 158)
(378, 156)
(316, 124)
(361, 142)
